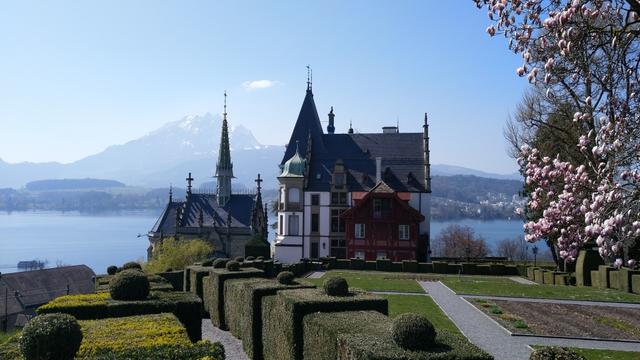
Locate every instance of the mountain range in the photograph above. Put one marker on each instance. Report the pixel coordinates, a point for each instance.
(165, 156)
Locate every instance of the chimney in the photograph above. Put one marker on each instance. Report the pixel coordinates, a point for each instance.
(389, 129)
(378, 169)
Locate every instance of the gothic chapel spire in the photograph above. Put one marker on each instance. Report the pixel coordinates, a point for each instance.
(224, 167)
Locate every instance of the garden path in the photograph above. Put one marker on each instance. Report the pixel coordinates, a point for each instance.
(522, 280)
(493, 338)
(232, 346)
(557, 301)
(316, 275)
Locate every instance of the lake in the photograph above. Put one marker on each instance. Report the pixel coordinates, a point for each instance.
(100, 240)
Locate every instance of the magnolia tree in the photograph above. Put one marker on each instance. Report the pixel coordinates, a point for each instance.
(586, 54)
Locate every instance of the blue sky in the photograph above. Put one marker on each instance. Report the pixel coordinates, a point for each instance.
(76, 77)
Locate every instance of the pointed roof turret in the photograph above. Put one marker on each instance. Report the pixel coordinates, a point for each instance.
(224, 167)
(308, 122)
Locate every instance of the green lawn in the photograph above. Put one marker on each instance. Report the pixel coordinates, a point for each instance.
(593, 354)
(400, 304)
(374, 281)
(478, 285)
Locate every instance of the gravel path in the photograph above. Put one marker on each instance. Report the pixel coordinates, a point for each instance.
(493, 338)
(232, 346)
(316, 275)
(522, 280)
(557, 301)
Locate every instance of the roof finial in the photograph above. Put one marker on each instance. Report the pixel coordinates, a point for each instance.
(259, 183)
(170, 193)
(350, 127)
(309, 78)
(297, 146)
(225, 104)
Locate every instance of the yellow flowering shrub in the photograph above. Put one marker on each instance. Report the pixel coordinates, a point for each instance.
(78, 300)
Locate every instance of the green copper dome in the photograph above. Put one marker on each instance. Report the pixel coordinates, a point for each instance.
(295, 166)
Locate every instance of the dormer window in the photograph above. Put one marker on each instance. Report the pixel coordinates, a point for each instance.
(381, 208)
(339, 176)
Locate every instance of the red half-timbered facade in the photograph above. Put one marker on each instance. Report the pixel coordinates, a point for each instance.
(382, 225)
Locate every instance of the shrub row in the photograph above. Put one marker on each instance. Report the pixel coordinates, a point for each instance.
(157, 283)
(186, 307)
(243, 309)
(282, 317)
(413, 266)
(214, 298)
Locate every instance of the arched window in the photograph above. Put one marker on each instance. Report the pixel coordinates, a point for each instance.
(294, 195)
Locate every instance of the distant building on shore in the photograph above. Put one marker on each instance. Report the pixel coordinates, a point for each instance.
(226, 220)
(22, 292)
(353, 195)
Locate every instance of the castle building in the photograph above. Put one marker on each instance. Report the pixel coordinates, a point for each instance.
(228, 221)
(353, 195)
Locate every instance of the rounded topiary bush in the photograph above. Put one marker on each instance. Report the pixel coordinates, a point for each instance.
(233, 265)
(220, 263)
(260, 258)
(132, 265)
(208, 262)
(285, 277)
(51, 337)
(336, 286)
(413, 332)
(250, 258)
(129, 285)
(239, 259)
(555, 353)
(112, 270)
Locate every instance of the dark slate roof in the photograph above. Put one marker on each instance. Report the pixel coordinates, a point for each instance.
(38, 287)
(307, 123)
(401, 153)
(213, 215)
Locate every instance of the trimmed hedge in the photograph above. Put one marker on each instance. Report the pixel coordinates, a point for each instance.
(625, 278)
(370, 265)
(410, 266)
(549, 277)
(356, 264)
(187, 307)
(425, 267)
(196, 273)
(383, 265)
(483, 269)
(342, 264)
(530, 273)
(51, 337)
(554, 352)
(588, 259)
(635, 284)
(538, 275)
(364, 335)
(396, 266)
(243, 315)
(469, 268)
(175, 278)
(156, 283)
(603, 274)
(454, 269)
(595, 279)
(440, 267)
(497, 269)
(130, 284)
(214, 296)
(614, 279)
(283, 314)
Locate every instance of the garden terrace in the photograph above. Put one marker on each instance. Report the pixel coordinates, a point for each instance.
(186, 307)
(244, 314)
(283, 314)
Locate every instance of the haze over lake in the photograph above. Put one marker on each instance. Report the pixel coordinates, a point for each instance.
(100, 240)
